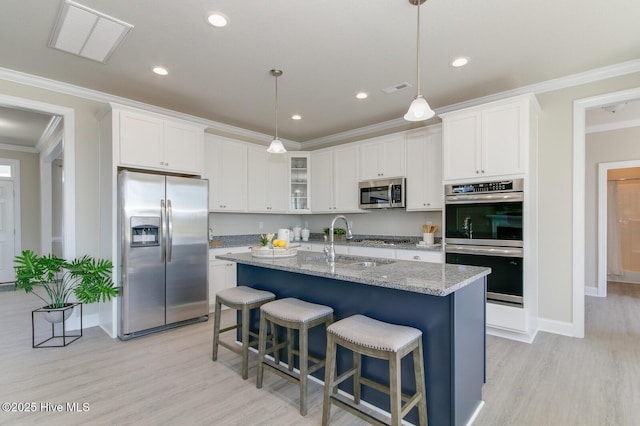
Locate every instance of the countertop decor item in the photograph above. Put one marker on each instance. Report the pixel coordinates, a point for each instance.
(87, 278)
(339, 234)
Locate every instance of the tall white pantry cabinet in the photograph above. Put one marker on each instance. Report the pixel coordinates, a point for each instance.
(498, 141)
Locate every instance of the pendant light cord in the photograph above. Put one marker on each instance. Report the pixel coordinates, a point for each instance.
(276, 106)
(418, 52)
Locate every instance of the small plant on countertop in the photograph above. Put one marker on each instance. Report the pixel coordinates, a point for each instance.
(336, 231)
(266, 239)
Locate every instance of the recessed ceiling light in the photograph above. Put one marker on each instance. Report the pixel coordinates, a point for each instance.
(217, 19)
(296, 117)
(362, 95)
(160, 70)
(460, 62)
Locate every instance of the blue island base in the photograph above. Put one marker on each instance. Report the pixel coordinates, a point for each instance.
(453, 328)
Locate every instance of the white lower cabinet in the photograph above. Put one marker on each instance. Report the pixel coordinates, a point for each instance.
(222, 275)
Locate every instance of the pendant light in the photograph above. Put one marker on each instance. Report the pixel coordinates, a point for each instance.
(276, 146)
(419, 109)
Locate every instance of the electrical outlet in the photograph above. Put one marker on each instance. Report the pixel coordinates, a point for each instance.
(260, 225)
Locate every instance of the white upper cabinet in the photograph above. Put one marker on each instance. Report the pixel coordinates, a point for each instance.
(322, 181)
(267, 183)
(488, 141)
(424, 169)
(334, 180)
(226, 169)
(299, 182)
(151, 141)
(383, 158)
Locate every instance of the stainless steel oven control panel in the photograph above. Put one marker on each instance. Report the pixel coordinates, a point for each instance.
(515, 185)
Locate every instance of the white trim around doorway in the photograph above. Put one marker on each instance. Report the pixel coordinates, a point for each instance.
(68, 140)
(579, 148)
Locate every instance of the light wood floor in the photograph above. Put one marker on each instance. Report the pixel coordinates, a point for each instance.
(169, 378)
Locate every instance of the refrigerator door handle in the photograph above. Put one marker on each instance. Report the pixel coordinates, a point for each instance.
(163, 231)
(170, 233)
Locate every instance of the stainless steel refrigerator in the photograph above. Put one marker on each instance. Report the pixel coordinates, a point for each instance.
(163, 229)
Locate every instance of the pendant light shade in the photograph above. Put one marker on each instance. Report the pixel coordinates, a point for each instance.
(419, 109)
(276, 146)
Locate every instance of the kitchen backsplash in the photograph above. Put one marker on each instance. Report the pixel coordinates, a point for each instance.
(383, 222)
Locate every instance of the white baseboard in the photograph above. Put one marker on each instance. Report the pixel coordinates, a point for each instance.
(591, 291)
(512, 335)
(556, 327)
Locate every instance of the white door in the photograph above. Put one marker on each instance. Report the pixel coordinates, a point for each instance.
(7, 235)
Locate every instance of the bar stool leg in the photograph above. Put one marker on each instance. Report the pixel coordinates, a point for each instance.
(357, 365)
(290, 337)
(395, 389)
(245, 342)
(303, 349)
(216, 329)
(418, 368)
(262, 348)
(329, 377)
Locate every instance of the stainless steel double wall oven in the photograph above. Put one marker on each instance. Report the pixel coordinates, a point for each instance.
(483, 227)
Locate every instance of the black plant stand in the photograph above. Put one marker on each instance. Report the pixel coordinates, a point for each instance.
(65, 338)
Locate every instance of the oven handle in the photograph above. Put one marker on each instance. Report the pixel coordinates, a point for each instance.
(484, 198)
(484, 250)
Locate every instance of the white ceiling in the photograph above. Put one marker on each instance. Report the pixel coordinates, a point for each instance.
(328, 50)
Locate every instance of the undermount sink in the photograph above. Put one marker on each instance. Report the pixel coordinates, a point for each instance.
(352, 261)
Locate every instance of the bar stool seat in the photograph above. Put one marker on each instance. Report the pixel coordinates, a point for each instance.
(242, 299)
(367, 336)
(293, 314)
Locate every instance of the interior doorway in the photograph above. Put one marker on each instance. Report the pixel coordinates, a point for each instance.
(62, 142)
(10, 234)
(612, 176)
(580, 107)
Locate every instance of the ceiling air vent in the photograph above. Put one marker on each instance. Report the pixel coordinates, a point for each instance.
(87, 33)
(399, 86)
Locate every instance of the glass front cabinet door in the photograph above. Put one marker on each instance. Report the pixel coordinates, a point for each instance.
(299, 182)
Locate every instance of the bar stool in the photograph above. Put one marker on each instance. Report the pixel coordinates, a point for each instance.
(242, 299)
(293, 314)
(366, 336)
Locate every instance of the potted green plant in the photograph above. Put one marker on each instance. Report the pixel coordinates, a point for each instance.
(339, 234)
(87, 278)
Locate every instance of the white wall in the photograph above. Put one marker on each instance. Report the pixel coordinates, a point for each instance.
(555, 158)
(602, 147)
(86, 152)
(383, 222)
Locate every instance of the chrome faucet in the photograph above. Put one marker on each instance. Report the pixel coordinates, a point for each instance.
(468, 227)
(330, 251)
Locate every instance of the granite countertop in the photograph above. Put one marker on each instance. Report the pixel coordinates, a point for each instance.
(248, 240)
(420, 277)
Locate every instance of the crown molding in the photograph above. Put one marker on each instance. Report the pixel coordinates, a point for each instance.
(620, 125)
(585, 77)
(94, 95)
(18, 148)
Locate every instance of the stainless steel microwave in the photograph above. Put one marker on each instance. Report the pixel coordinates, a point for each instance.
(382, 194)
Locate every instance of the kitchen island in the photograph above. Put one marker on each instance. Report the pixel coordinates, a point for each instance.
(446, 302)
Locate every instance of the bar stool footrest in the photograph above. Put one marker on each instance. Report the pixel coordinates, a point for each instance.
(372, 416)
